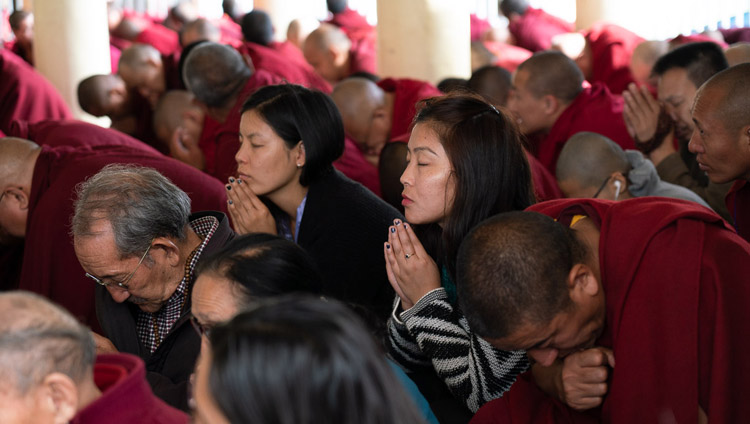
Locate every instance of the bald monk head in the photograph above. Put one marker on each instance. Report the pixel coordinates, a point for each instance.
(17, 160)
(257, 27)
(493, 83)
(327, 50)
(481, 56)
(103, 95)
(46, 361)
(299, 29)
(200, 29)
(591, 165)
(643, 59)
(215, 74)
(337, 6)
(543, 87)
(367, 113)
(721, 114)
(179, 15)
(738, 53)
(512, 8)
(177, 118)
(22, 24)
(142, 69)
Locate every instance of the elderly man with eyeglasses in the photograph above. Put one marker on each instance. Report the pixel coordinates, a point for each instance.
(135, 237)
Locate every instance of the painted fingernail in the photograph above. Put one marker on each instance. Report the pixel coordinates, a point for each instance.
(229, 201)
(231, 179)
(397, 222)
(239, 181)
(387, 246)
(406, 225)
(228, 187)
(393, 229)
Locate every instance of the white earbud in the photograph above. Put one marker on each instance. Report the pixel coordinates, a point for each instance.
(618, 187)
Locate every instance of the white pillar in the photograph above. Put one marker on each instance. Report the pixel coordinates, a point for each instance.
(424, 39)
(71, 42)
(284, 11)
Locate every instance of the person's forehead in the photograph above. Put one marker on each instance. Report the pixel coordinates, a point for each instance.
(676, 80)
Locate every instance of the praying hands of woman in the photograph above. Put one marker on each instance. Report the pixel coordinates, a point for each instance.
(411, 271)
(249, 214)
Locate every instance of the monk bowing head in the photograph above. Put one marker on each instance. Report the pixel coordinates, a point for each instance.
(177, 118)
(17, 161)
(366, 113)
(721, 113)
(142, 69)
(327, 50)
(542, 88)
(526, 282)
(104, 95)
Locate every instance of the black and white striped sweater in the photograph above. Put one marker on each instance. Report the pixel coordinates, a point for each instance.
(435, 333)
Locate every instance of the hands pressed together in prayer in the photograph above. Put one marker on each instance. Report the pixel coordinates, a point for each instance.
(411, 271)
(648, 123)
(580, 379)
(249, 214)
(183, 148)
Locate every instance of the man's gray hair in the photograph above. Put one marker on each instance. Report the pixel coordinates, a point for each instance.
(38, 338)
(139, 202)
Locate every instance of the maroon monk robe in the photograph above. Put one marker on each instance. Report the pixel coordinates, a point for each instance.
(478, 27)
(161, 38)
(676, 317)
(735, 35)
(534, 29)
(596, 110)
(70, 132)
(125, 397)
(206, 142)
(353, 164)
(611, 49)
(738, 204)
(290, 52)
(229, 29)
(508, 56)
(275, 63)
(545, 185)
(19, 51)
(114, 57)
(354, 25)
(407, 92)
(25, 94)
(50, 267)
(224, 140)
(362, 57)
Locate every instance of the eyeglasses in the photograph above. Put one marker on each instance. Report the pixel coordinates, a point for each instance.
(124, 284)
(201, 329)
(601, 187)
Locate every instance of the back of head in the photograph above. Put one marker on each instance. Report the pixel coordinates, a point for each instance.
(257, 27)
(645, 56)
(263, 265)
(699, 60)
(259, 356)
(357, 99)
(589, 158)
(512, 270)
(199, 30)
(15, 155)
(38, 338)
(508, 7)
(139, 202)
(493, 83)
(93, 93)
(551, 72)
(182, 13)
(489, 163)
(138, 55)
(214, 73)
(738, 53)
(16, 18)
(327, 36)
(168, 112)
(453, 85)
(231, 8)
(730, 90)
(299, 114)
(336, 6)
(300, 28)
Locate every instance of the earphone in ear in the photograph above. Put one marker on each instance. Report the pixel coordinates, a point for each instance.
(618, 187)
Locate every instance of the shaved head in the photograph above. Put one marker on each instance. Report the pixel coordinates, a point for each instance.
(645, 56)
(552, 73)
(170, 114)
(38, 338)
(17, 158)
(94, 95)
(357, 99)
(493, 83)
(589, 158)
(327, 50)
(512, 270)
(17, 161)
(182, 13)
(214, 73)
(299, 29)
(199, 30)
(727, 96)
(327, 36)
(137, 56)
(738, 53)
(257, 27)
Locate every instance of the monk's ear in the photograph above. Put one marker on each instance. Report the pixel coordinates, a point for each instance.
(551, 104)
(19, 197)
(59, 394)
(746, 136)
(582, 283)
(194, 114)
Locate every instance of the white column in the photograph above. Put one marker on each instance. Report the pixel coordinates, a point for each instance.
(424, 39)
(284, 11)
(71, 42)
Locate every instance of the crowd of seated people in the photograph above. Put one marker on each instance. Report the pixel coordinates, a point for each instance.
(274, 231)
